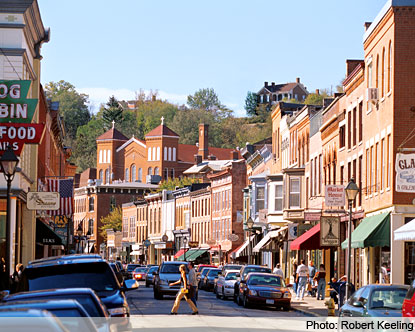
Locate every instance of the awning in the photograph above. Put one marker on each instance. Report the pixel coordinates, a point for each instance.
(192, 254)
(45, 235)
(405, 232)
(310, 240)
(240, 250)
(373, 231)
(179, 253)
(268, 238)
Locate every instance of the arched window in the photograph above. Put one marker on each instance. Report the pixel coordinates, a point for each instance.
(154, 153)
(101, 174)
(158, 153)
(104, 156)
(169, 154)
(149, 154)
(133, 174)
(390, 67)
(166, 173)
(140, 174)
(377, 72)
(100, 156)
(156, 171)
(383, 73)
(174, 154)
(109, 156)
(150, 171)
(127, 175)
(165, 153)
(107, 176)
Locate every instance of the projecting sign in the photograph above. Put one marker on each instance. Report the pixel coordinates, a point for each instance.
(335, 195)
(43, 200)
(405, 173)
(18, 134)
(329, 231)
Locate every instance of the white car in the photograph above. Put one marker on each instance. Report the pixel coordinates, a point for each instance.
(226, 283)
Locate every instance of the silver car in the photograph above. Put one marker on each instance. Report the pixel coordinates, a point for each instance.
(168, 273)
(226, 283)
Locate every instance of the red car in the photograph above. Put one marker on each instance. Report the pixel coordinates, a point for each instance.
(140, 273)
(408, 306)
(201, 266)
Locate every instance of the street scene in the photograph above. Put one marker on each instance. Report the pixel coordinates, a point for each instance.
(159, 182)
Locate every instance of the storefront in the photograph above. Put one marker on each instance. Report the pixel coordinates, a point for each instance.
(48, 243)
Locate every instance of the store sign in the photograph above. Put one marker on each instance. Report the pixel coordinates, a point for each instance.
(226, 245)
(193, 244)
(329, 231)
(14, 106)
(18, 134)
(233, 237)
(405, 173)
(43, 200)
(292, 231)
(335, 195)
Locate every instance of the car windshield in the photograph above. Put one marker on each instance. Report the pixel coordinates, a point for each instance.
(97, 276)
(232, 267)
(265, 281)
(131, 267)
(231, 276)
(256, 269)
(205, 271)
(388, 298)
(171, 268)
(152, 269)
(141, 269)
(213, 273)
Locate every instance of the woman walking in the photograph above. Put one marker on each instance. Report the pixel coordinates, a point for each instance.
(320, 277)
(185, 291)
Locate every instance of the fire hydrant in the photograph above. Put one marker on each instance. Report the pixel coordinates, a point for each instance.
(331, 306)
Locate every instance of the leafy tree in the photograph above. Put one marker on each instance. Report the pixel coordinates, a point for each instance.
(111, 221)
(251, 103)
(208, 100)
(172, 184)
(316, 99)
(112, 112)
(72, 106)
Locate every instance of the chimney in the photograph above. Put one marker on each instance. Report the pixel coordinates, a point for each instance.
(273, 84)
(317, 91)
(198, 159)
(351, 65)
(211, 157)
(367, 25)
(266, 84)
(297, 80)
(203, 140)
(234, 155)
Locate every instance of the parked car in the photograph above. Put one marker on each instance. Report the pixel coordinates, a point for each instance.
(225, 284)
(117, 272)
(378, 300)
(201, 277)
(120, 266)
(72, 271)
(65, 310)
(232, 267)
(243, 273)
(209, 280)
(408, 306)
(129, 270)
(264, 289)
(140, 273)
(150, 275)
(201, 266)
(167, 273)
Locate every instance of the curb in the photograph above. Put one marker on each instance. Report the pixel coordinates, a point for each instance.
(305, 312)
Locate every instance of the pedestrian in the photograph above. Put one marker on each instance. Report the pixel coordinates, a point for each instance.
(302, 277)
(16, 278)
(295, 277)
(184, 292)
(4, 280)
(384, 274)
(320, 277)
(338, 289)
(311, 273)
(277, 271)
(192, 282)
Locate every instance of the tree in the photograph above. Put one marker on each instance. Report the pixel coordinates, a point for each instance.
(111, 221)
(251, 103)
(112, 112)
(72, 106)
(174, 183)
(208, 100)
(316, 99)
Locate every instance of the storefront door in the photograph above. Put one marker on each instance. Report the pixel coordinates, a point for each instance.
(409, 262)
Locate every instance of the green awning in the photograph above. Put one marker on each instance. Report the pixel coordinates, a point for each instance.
(373, 231)
(195, 254)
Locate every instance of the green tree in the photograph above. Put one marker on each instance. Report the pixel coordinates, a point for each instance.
(172, 184)
(208, 100)
(111, 221)
(251, 103)
(112, 112)
(72, 106)
(316, 99)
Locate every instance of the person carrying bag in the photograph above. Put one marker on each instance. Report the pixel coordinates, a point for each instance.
(185, 291)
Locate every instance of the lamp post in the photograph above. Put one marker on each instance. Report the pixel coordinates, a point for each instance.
(351, 191)
(79, 233)
(184, 244)
(8, 162)
(88, 236)
(250, 226)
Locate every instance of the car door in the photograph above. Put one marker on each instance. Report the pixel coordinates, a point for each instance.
(349, 309)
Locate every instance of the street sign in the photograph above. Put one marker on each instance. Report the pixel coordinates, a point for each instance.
(43, 200)
(233, 237)
(147, 243)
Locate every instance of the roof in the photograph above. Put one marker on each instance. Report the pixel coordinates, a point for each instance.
(207, 166)
(284, 87)
(187, 152)
(112, 134)
(161, 130)
(132, 139)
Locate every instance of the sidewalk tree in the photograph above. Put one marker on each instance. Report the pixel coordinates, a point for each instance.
(111, 221)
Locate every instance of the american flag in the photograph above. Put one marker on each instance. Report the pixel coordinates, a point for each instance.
(65, 189)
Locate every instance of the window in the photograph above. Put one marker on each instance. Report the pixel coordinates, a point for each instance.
(382, 164)
(174, 154)
(149, 154)
(165, 153)
(127, 175)
(172, 173)
(91, 204)
(150, 171)
(312, 178)
(125, 227)
(158, 153)
(260, 198)
(101, 174)
(100, 156)
(166, 173)
(113, 203)
(360, 179)
(91, 226)
(377, 72)
(383, 74)
(390, 67)
(341, 174)
(107, 176)
(278, 197)
(169, 154)
(376, 166)
(372, 173)
(109, 156)
(369, 76)
(354, 128)
(140, 174)
(156, 171)
(154, 154)
(133, 173)
(360, 121)
(320, 169)
(294, 193)
(368, 172)
(388, 161)
(349, 130)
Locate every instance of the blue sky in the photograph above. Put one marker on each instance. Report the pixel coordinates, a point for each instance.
(106, 47)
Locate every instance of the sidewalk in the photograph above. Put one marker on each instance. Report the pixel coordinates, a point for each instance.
(310, 306)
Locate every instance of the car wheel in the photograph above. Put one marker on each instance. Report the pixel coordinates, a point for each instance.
(245, 302)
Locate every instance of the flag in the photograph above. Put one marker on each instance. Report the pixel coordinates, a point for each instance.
(65, 190)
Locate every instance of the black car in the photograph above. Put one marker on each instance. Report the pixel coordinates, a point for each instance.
(75, 271)
(243, 273)
(209, 280)
(150, 275)
(129, 270)
(202, 276)
(117, 272)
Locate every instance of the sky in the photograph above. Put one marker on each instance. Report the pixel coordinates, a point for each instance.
(106, 47)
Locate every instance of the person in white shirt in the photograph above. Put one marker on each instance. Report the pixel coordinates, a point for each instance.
(277, 271)
(302, 277)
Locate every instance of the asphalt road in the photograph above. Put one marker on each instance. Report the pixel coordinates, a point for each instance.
(142, 303)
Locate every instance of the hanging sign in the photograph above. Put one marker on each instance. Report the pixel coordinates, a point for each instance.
(405, 173)
(43, 200)
(329, 231)
(335, 195)
(18, 134)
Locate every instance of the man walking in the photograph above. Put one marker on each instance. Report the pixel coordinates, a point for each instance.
(311, 274)
(192, 282)
(277, 271)
(302, 277)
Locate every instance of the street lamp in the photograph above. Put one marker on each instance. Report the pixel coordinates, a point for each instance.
(184, 244)
(250, 226)
(351, 191)
(8, 162)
